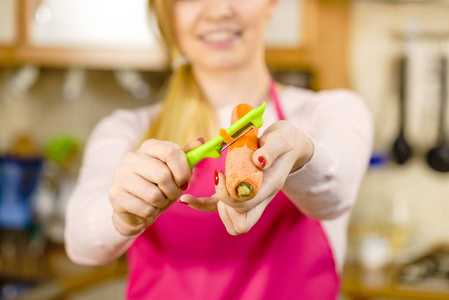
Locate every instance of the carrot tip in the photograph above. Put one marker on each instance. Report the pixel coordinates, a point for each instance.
(244, 189)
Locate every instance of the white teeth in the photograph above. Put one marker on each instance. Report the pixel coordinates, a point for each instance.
(218, 36)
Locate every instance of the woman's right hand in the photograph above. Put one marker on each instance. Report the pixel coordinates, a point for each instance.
(148, 181)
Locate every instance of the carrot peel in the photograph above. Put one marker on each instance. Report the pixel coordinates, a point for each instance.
(225, 135)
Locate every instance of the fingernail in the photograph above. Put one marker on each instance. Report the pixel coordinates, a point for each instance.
(180, 201)
(221, 171)
(201, 140)
(184, 186)
(216, 177)
(263, 161)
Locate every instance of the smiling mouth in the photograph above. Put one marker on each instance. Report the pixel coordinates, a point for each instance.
(220, 36)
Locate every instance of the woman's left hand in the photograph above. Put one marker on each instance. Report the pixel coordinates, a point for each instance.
(284, 148)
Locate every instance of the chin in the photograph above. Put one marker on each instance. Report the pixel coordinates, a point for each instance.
(223, 62)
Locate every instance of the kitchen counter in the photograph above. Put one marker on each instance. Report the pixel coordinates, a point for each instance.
(360, 284)
(54, 276)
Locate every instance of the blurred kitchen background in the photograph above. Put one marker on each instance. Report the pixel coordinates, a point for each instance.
(65, 64)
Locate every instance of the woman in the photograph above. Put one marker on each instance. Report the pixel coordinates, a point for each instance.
(314, 152)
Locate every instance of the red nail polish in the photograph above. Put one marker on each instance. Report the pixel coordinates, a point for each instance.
(216, 177)
(263, 161)
(201, 140)
(184, 186)
(179, 200)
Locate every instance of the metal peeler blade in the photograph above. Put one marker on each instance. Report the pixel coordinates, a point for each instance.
(224, 146)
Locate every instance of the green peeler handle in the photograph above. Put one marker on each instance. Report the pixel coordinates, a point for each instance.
(211, 149)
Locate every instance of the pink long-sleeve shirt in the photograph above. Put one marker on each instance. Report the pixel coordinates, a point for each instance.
(338, 122)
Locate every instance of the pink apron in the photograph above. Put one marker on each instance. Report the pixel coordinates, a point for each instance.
(188, 254)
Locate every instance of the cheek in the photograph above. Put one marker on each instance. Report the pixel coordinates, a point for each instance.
(185, 15)
(254, 18)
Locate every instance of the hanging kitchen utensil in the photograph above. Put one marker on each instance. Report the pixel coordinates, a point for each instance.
(74, 82)
(438, 157)
(401, 149)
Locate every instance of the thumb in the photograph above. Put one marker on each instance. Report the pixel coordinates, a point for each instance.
(270, 149)
(193, 144)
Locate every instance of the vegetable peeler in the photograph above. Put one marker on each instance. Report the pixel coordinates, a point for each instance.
(218, 144)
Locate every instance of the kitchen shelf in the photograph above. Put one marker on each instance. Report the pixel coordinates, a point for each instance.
(92, 58)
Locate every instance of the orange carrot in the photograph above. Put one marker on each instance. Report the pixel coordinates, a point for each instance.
(243, 178)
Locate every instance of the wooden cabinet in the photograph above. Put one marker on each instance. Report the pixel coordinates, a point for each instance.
(8, 29)
(95, 34)
(84, 24)
(7, 22)
(101, 34)
(310, 35)
(323, 48)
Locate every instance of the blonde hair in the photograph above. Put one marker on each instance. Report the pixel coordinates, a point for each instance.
(185, 114)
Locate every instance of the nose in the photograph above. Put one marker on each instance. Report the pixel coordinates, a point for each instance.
(217, 10)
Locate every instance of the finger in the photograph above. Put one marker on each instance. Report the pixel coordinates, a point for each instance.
(172, 155)
(272, 145)
(157, 172)
(273, 181)
(243, 222)
(202, 203)
(225, 218)
(145, 190)
(124, 202)
(253, 215)
(193, 144)
(135, 221)
(221, 192)
(129, 224)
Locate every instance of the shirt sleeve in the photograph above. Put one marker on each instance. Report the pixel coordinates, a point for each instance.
(90, 235)
(341, 128)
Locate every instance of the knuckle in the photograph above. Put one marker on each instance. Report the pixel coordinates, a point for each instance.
(160, 201)
(146, 212)
(148, 144)
(149, 211)
(114, 195)
(149, 195)
(171, 150)
(118, 173)
(165, 177)
(148, 221)
(156, 198)
(263, 138)
(184, 178)
(117, 207)
(164, 202)
(141, 226)
(129, 157)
